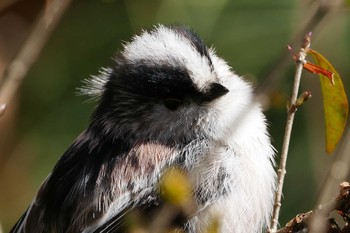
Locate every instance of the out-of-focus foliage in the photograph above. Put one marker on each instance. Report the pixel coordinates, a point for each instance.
(176, 188)
(46, 115)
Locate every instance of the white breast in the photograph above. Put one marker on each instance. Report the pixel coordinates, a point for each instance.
(250, 180)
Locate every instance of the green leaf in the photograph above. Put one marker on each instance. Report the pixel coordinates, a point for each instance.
(334, 101)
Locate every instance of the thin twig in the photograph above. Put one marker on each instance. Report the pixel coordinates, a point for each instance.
(289, 124)
(31, 49)
(317, 15)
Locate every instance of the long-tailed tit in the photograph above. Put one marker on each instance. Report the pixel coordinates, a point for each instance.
(166, 101)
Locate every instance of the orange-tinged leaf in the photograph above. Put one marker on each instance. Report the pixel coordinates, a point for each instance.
(334, 101)
(319, 70)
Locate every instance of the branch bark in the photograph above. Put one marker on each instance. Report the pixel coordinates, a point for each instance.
(305, 222)
(288, 130)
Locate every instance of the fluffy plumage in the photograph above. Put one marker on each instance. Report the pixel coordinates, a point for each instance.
(166, 101)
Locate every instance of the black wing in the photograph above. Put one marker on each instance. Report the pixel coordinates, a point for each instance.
(67, 199)
(70, 199)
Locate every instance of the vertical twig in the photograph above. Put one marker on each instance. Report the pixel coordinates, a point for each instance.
(317, 16)
(292, 107)
(30, 50)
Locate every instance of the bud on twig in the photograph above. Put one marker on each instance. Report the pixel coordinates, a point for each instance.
(303, 98)
(307, 40)
(299, 101)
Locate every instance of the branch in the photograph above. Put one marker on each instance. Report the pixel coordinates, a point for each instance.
(306, 222)
(339, 171)
(289, 124)
(19, 67)
(316, 20)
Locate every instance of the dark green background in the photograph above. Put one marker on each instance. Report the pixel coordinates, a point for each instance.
(250, 35)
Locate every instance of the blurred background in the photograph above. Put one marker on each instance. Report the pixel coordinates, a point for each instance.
(45, 114)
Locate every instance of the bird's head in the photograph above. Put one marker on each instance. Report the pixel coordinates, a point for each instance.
(167, 86)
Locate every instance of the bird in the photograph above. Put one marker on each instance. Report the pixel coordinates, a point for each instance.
(167, 100)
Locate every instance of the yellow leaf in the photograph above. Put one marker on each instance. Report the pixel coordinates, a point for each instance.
(334, 101)
(214, 226)
(176, 187)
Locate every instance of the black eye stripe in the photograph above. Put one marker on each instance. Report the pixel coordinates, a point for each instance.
(147, 82)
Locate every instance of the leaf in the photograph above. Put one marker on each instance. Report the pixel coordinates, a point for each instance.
(176, 187)
(213, 226)
(319, 70)
(334, 101)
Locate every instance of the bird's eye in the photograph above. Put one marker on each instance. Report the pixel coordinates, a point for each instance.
(172, 103)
